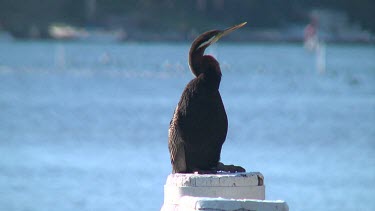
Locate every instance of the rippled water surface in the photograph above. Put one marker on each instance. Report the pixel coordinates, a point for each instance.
(83, 126)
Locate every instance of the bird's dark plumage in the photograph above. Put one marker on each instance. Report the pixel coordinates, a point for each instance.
(199, 125)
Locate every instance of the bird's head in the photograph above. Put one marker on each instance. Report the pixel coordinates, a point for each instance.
(204, 40)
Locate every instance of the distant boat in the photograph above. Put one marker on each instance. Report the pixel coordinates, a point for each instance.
(65, 32)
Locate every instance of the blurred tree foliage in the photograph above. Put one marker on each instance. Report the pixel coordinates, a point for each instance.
(21, 16)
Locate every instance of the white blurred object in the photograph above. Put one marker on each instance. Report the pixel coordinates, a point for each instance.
(313, 44)
(321, 57)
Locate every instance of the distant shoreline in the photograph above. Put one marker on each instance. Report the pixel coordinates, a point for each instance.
(267, 35)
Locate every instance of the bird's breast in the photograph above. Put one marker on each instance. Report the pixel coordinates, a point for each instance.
(205, 118)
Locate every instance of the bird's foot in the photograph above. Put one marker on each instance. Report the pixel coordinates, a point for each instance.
(219, 169)
(229, 168)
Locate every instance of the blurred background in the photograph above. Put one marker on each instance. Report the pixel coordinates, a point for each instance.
(87, 90)
(171, 20)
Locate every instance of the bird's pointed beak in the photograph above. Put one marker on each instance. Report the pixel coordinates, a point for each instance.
(229, 30)
(221, 34)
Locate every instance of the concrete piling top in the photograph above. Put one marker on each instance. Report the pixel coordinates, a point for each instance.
(222, 191)
(216, 180)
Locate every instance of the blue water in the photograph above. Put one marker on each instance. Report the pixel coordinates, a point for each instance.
(83, 126)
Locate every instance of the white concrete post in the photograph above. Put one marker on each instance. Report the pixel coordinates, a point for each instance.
(188, 203)
(213, 191)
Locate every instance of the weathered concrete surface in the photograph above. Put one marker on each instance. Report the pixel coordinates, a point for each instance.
(213, 189)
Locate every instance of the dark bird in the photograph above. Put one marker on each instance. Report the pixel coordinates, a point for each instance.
(199, 124)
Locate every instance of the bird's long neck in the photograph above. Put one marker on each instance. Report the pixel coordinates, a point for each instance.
(212, 72)
(207, 68)
(204, 66)
(195, 60)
